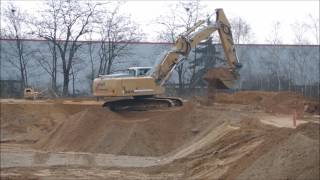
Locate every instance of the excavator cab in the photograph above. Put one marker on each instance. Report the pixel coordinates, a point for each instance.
(138, 71)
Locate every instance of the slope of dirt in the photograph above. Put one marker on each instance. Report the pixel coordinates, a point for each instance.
(244, 97)
(256, 151)
(27, 122)
(295, 158)
(273, 102)
(150, 133)
(224, 158)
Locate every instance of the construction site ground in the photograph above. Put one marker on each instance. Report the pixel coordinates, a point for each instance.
(245, 135)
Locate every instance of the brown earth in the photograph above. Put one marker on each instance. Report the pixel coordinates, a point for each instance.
(257, 151)
(224, 141)
(28, 122)
(219, 78)
(273, 102)
(125, 133)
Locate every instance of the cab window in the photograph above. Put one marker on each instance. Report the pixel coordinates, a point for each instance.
(132, 72)
(142, 72)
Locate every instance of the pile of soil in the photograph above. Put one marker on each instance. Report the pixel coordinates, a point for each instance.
(218, 73)
(219, 78)
(276, 102)
(149, 133)
(297, 157)
(285, 103)
(257, 151)
(29, 122)
(244, 97)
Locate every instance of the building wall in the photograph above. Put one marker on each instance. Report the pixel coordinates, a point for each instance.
(10, 89)
(301, 63)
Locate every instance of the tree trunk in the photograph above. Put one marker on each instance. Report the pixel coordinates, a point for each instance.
(22, 65)
(109, 56)
(66, 79)
(25, 75)
(279, 82)
(92, 65)
(110, 60)
(54, 70)
(73, 79)
(23, 85)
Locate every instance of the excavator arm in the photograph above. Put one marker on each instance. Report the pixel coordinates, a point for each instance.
(226, 39)
(189, 40)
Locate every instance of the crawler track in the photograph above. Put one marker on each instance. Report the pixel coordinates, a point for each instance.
(143, 104)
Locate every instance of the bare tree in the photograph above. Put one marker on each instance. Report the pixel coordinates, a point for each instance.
(72, 22)
(313, 26)
(48, 27)
(241, 30)
(92, 58)
(300, 33)
(274, 63)
(182, 17)
(275, 36)
(116, 32)
(15, 28)
(302, 57)
(76, 68)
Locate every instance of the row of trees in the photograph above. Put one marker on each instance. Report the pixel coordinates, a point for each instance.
(64, 24)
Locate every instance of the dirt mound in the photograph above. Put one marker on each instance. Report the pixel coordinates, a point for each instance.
(311, 130)
(295, 158)
(257, 151)
(285, 102)
(276, 102)
(227, 157)
(219, 78)
(132, 133)
(244, 97)
(22, 122)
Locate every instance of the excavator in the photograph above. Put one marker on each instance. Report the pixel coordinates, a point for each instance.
(140, 88)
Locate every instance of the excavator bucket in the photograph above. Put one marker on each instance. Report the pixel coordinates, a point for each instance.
(221, 78)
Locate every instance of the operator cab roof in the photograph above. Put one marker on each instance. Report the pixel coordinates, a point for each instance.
(139, 67)
(130, 72)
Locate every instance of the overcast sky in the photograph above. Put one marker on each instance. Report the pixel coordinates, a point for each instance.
(259, 14)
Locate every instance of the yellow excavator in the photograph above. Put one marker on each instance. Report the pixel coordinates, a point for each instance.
(139, 88)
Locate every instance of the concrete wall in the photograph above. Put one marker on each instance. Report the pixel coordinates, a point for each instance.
(299, 62)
